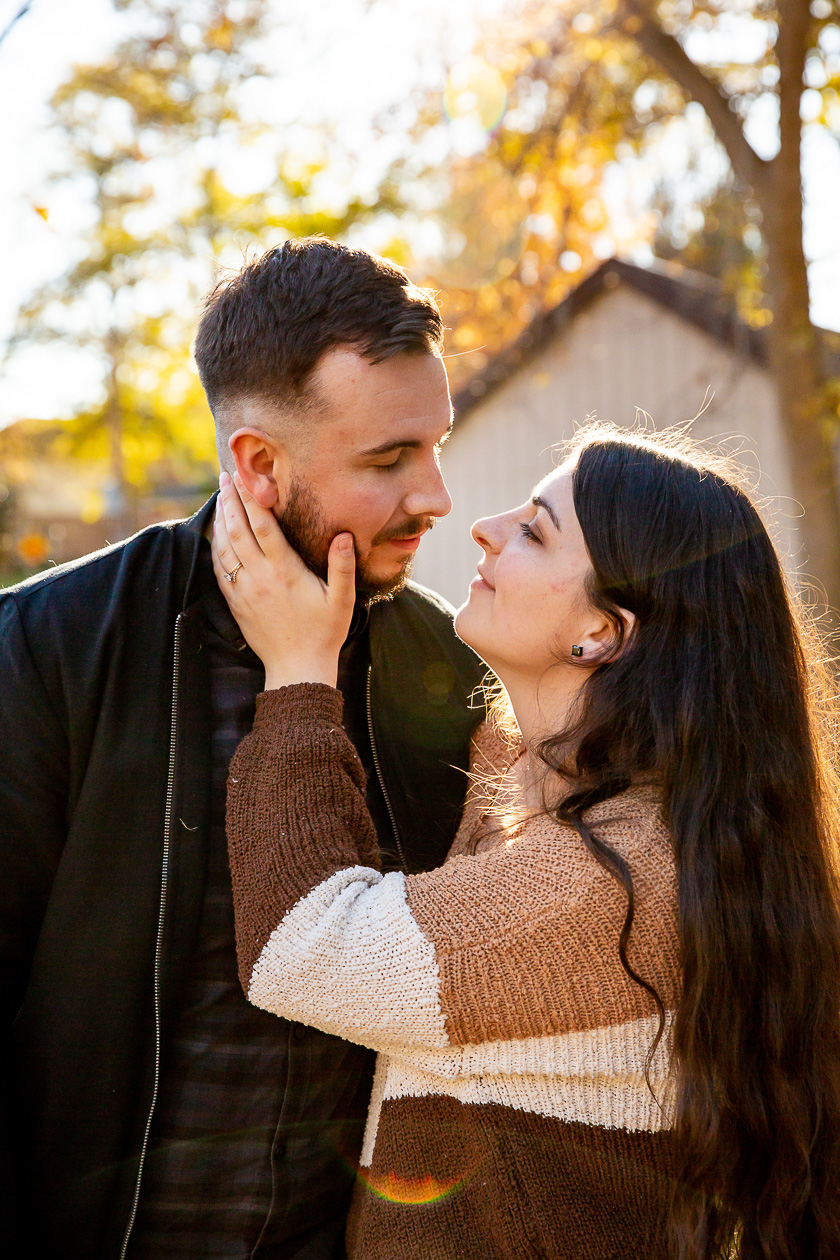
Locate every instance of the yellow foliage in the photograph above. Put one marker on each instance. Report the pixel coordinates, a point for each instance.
(126, 122)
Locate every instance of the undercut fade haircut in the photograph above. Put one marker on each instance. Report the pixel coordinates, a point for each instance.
(264, 329)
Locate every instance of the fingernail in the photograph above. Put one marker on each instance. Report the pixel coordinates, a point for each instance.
(224, 479)
(345, 542)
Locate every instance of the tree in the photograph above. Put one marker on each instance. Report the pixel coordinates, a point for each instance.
(616, 71)
(499, 277)
(143, 132)
(22, 11)
(530, 196)
(794, 32)
(721, 238)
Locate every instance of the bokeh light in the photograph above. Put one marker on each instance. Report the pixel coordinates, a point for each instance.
(412, 1191)
(475, 91)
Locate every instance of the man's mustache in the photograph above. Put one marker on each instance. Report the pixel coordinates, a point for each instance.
(409, 529)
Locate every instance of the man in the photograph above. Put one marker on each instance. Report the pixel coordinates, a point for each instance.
(149, 1111)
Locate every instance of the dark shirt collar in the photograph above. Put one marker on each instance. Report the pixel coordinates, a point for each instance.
(213, 602)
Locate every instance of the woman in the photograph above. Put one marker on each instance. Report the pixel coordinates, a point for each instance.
(609, 1025)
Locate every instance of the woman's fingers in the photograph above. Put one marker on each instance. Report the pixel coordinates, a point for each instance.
(264, 526)
(294, 622)
(219, 566)
(341, 578)
(222, 547)
(240, 536)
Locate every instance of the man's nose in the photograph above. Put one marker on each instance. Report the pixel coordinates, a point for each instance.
(429, 496)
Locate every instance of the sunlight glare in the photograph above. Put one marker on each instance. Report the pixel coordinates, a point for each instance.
(476, 91)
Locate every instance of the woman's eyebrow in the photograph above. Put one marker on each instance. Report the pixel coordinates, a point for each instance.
(539, 502)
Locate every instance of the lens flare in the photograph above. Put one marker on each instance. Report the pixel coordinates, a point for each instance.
(412, 1191)
(475, 90)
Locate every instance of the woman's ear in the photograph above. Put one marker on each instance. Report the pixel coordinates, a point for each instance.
(264, 465)
(601, 643)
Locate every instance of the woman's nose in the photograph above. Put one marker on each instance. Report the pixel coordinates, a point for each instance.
(487, 532)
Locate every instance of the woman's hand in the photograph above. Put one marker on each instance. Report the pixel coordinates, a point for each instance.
(295, 623)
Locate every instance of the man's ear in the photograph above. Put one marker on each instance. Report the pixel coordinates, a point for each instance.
(264, 465)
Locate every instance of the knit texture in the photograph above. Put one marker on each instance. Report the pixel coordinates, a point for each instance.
(297, 744)
(510, 1113)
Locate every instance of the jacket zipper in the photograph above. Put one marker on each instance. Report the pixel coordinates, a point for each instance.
(379, 775)
(164, 885)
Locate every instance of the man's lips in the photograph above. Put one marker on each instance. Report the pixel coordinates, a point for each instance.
(406, 538)
(406, 544)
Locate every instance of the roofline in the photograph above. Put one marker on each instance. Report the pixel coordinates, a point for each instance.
(696, 298)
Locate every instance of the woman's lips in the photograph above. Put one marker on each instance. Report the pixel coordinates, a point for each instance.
(480, 584)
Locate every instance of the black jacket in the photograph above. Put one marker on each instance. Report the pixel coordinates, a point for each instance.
(104, 803)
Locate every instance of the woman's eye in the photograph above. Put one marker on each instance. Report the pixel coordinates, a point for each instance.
(528, 532)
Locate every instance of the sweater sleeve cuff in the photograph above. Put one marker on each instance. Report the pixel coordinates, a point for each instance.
(300, 704)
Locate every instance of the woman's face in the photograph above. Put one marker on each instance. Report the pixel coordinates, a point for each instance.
(527, 606)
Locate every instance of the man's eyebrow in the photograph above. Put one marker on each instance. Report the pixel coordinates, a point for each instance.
(540, 502)
(385, 448)
(400, 444)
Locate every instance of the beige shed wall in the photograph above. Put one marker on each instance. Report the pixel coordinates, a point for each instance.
(624, 352)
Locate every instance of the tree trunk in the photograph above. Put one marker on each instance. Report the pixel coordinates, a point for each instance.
(796, 362)
(795, 355)
(120, 516)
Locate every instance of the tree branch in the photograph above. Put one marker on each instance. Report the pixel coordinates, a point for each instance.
(669, 54)
(791, 49)
(22, 11)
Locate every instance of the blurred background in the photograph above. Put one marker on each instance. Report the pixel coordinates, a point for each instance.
(622, 204)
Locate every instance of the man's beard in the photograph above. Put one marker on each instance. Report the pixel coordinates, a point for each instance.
(305, 526)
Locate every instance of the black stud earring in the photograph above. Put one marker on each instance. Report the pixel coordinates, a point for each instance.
(577, 650)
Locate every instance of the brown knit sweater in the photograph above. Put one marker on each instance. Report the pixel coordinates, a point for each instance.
(510, 1116)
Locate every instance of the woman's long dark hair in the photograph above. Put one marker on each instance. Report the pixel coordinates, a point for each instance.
(716, 692)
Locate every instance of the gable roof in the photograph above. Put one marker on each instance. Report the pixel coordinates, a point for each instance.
(696, 298)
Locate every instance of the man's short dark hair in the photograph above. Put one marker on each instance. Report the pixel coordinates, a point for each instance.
(264, 330)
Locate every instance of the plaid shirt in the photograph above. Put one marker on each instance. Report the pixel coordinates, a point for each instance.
(258, 1120)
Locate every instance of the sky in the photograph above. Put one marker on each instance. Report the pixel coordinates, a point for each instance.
(338, 61)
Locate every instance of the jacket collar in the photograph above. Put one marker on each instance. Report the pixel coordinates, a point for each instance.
(194, 530)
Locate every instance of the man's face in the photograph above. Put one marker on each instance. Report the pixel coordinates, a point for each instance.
(370, 464)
